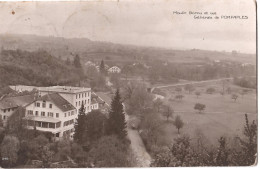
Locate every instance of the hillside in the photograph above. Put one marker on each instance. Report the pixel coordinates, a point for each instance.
(37, 68)
(94, 50)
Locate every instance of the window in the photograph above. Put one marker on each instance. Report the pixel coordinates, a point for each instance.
(85, 94)
(8, 110)
(43, 104)
(42, 113)
(50, 114)
(79, 103)
(52, 125)
(30, 112)
(88, 101)
(38, 104)
(76, 103)
(79, 95)
(82, 95)
(44, 125)
(50, 106)
(65, 114)
(4, 110)
(36, 113)
(57, 115)
(4, 117)
(58, 124)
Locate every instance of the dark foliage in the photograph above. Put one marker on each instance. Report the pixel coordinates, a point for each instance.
(116, 119)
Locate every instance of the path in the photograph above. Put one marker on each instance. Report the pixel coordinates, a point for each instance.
(142, 157)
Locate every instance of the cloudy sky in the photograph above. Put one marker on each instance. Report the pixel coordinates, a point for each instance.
(137, 22)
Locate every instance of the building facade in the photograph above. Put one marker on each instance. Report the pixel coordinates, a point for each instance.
(114, 69)
(51, 113)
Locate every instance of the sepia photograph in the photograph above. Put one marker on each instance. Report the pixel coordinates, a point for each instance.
(128, 83)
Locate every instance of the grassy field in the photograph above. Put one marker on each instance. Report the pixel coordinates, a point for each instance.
(222, 116)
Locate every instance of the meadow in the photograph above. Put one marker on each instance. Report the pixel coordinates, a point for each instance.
(222, 116)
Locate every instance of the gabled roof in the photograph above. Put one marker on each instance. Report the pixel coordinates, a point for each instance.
(104, 98)
(15, 101)
(58, 100)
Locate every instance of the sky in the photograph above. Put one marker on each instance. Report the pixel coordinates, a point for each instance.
(145, 23)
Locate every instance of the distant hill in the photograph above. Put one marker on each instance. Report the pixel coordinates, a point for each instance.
(94, 50)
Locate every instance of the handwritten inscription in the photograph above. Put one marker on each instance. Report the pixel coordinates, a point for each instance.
(208, 15)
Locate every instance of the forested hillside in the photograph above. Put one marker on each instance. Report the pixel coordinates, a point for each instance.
(37, 68)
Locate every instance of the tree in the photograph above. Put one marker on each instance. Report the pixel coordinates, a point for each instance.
(163, 158)
(15, 124)
(210, 90)
(222, 153)
(249, 145)
(179, 96)
(178, 123)
(168, 113)
(126, 70)
(80, 125)
(46, 156)
(95, 125)
(197, 94)
(234, 97)
(181, 150)
(109, 151)
(115, 80)
(116, 119)
(151, 128)
(199, 107)
(178, 89)
(9, 149)
(158, 103)
(189, 87)
(77, 63)
(137, 99)
(91, 72)
(102, 68)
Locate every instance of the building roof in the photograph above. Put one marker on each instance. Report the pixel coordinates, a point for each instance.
(15, 101)
(104, 98)
(20, 88)
(114, 67)
(64, 89)
(58, 100)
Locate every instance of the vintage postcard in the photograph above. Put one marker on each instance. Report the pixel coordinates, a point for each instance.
(128, 83)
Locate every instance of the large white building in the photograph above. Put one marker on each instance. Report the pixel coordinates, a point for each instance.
(53, 109)
(74, 95)
(51, 113)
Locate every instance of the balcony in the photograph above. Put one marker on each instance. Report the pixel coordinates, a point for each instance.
(43, 123)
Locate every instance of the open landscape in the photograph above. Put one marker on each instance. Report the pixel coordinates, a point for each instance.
(222, 115)
(128, 84)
